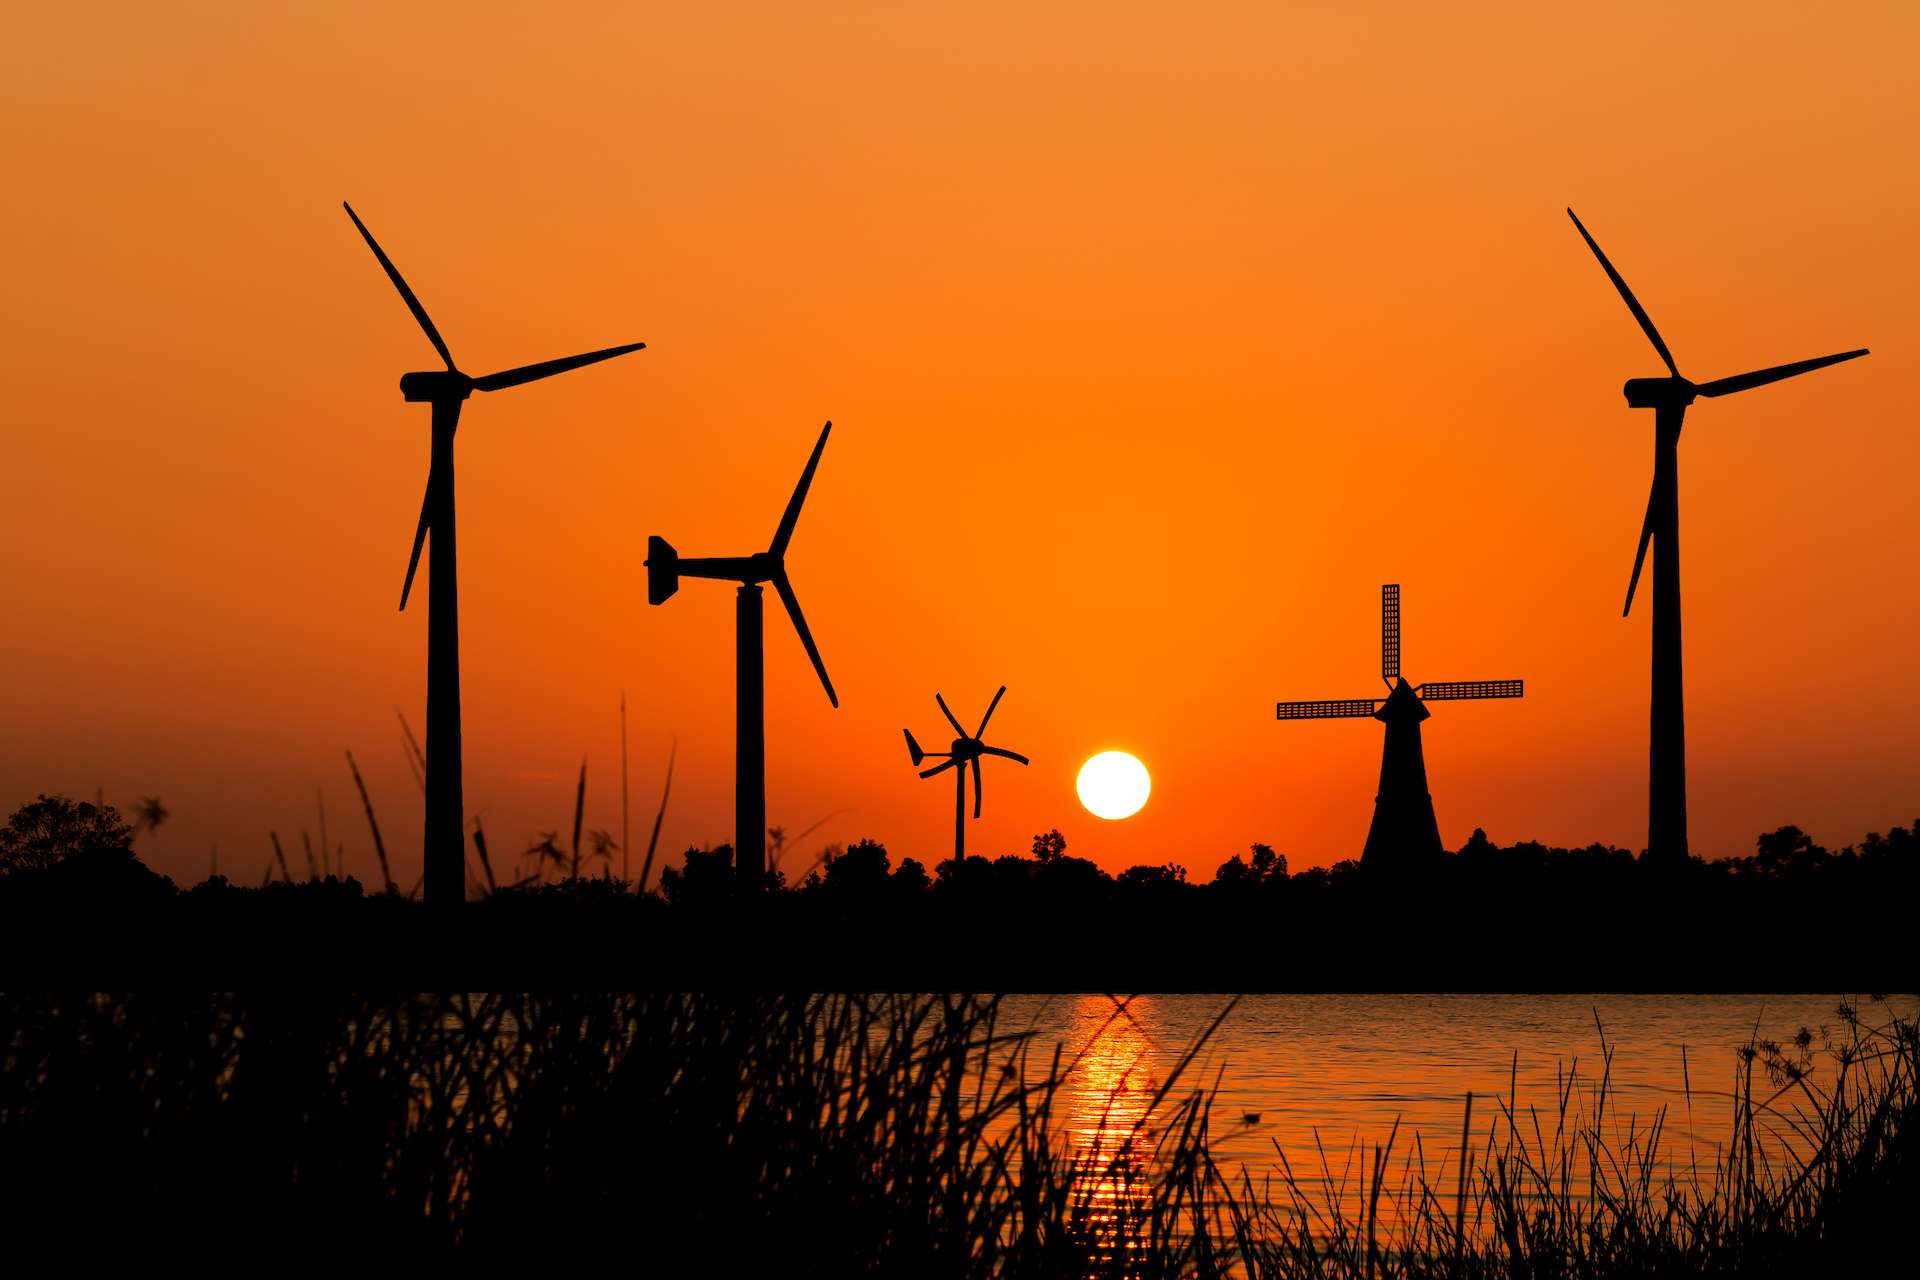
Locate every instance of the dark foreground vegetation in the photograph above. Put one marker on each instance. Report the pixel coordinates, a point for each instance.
(898, 1135)
(77, 905)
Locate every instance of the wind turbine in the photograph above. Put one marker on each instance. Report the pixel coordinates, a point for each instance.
(446, 390)
(967, 750)
(1404, 832)
(1668, 398)
(665, 568)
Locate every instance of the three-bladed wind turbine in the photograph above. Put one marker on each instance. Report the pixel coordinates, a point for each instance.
(1668, 398)
(446, 390)
(665, 568)
(967, 750)
(1404, 833)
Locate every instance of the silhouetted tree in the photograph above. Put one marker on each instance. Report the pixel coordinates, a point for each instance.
(53, 828)
(706, 876)
(1048, 846)
(858, 871)
(1164, 876)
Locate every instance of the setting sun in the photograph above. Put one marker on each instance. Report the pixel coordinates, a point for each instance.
(1113, 785)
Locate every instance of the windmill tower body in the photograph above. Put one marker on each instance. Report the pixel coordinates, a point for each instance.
(446, 390)
(1669, 398)
(963, 755)
(1404, 835)
(665, 568)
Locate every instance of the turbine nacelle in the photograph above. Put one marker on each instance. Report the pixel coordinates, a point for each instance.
(665, 566)
(1659, 393)
(435, 385)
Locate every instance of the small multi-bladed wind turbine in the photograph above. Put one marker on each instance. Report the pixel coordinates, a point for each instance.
(446, 390)
(1404, 832)
(1668, 398)
(966, 751)
(665, 568)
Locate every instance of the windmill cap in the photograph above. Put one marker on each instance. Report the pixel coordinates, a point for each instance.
(663, 570)
(1402, 704)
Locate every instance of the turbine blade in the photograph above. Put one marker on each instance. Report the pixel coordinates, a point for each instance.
(419, 539)
(547, 368)
(406, 294)
(1640, 556)
(949, 715)
(784, 534)
(792, 602)
(990, 706)
(976, 785)
(939, 768)
(1633, 303)
(1761, 377)
(1004, 754)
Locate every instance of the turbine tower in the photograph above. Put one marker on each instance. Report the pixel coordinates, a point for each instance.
(665, 568)
(1668, 398)
(966, 750)
(1404, 834)
(446, 390)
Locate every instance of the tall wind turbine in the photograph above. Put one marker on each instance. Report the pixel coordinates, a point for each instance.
(966, 751)
(1404, 833)
(446, 390)
(1668, 398)
(665, 568)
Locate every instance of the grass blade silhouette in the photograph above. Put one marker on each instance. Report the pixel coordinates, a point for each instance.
(653, 841)
(373, 825)
(579, 809)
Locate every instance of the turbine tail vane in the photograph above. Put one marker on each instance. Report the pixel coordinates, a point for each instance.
(1761, 377)
(1633, 303)
(784, 534)
(406, 294)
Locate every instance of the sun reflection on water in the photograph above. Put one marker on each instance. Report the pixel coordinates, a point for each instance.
(1111, 1092)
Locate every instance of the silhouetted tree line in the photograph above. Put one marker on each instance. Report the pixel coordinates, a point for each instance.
(1793, 915)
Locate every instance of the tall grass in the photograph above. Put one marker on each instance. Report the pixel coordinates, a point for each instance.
(910, 1135)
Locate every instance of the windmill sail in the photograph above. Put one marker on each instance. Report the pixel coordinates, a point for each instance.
(1325, 710)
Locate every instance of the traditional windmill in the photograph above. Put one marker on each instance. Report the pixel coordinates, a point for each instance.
(1669, 398)
(665, 568)
(966, 750)
(1404, 833)
(446, 390)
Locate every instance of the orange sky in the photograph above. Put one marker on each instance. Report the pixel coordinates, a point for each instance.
(1154, 341)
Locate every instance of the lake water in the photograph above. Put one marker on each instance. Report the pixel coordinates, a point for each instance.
(1345, 1067)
